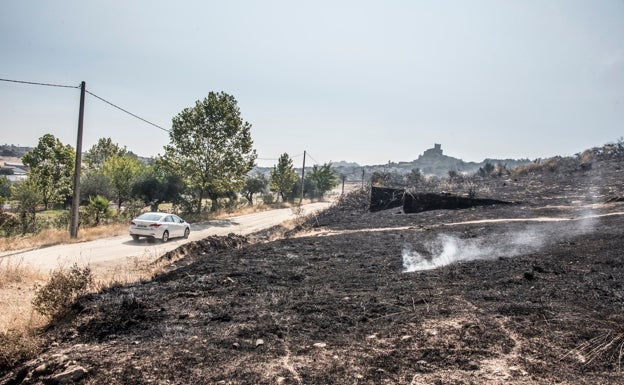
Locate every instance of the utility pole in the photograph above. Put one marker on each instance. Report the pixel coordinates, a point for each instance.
(75, 209)
(302, 178)
(343, 177)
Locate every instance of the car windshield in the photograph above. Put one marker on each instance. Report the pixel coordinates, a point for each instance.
(150, 217)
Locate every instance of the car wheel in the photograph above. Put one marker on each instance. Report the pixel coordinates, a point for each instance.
(135, 237)
(187, 231)
(165, 236)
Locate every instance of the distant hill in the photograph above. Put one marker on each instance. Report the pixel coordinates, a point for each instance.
(431, 162)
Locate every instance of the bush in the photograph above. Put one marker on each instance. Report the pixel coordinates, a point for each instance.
(133, 209)
(64, 286)
(9, 224)
(268, 198)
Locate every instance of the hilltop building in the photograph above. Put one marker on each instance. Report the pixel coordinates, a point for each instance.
(432, 152)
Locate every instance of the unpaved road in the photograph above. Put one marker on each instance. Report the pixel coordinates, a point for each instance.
(107, 253)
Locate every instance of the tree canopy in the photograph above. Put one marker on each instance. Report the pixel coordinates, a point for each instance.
(254, 184)
(211, 146)
(323, 179)
(283, 176)
(102, 150)
(51, 171)
(121, 171)
(156, 185)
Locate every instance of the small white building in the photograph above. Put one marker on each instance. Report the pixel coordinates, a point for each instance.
(20, 171)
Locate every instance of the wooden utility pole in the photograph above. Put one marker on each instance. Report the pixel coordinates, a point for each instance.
(302, 177)
(75, 209)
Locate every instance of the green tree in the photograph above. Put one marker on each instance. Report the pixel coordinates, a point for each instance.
(255, 184)
(98, 207)
(5, 189)
(28, 196)
(122, 172)
(155, 185)
(105, 148)
(323, 179)
(94, 183)
(211, 146)
(283, 176)
(51, 169)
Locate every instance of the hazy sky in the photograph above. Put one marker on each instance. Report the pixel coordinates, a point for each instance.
(362, 81)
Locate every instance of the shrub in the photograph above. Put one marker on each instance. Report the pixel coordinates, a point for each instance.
(64, 286)
(9, 224)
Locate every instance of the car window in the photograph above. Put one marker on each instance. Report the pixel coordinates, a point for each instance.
(177, 219)
(168, 218)
(150, 217)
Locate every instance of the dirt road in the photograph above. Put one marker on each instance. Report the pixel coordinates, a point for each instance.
(107, 253)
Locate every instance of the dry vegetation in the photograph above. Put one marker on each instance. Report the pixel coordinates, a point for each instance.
(50, 237)
(29, 299)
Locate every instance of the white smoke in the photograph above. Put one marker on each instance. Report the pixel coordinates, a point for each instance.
(447, 249)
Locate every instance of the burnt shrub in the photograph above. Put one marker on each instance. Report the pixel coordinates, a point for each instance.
(64, 286)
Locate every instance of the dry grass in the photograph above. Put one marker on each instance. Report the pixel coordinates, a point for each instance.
(20, 325)
(50, 237)
(606, 347)
(138, 269)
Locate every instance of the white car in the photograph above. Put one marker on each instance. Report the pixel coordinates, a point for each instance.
(159, 226)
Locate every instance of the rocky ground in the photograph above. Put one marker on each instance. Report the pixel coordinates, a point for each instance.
(533, 294)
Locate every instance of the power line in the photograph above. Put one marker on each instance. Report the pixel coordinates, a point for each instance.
(127, 112)
(90, 93)
(311, 157)
(38, 83)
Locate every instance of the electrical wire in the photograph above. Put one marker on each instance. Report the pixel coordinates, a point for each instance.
(38, 83)
(126, 111)
(311, 157)
(90, 93)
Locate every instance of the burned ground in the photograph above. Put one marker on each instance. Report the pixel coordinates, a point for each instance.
(540, 299)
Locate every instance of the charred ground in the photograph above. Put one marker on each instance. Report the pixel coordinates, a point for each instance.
(333, 304)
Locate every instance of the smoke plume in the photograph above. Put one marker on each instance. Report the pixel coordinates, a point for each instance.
(447, 249)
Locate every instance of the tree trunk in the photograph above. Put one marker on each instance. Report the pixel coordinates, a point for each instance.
(199, 204)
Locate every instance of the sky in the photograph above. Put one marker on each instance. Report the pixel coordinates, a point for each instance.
(361, 81)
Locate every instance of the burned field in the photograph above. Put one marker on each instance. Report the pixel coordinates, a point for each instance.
(533, 294)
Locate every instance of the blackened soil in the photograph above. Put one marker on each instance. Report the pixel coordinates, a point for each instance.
(334, 305)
